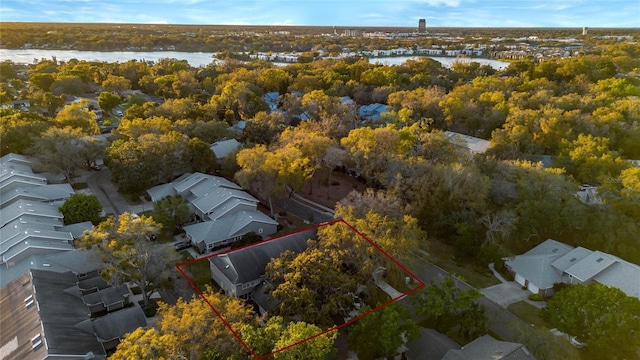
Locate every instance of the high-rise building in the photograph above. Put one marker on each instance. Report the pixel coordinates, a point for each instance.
(422, 26)
(585, 30)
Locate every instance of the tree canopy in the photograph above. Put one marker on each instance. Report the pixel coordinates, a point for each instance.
(603, 317)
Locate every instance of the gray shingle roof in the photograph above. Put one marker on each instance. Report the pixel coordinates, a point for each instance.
(623, 275)
(60, 312)
(223, 148)
(591, 265)
(219, 196)
(570, 258)
(537, 269)
(211, 232)
(488, 348)
(249, 263)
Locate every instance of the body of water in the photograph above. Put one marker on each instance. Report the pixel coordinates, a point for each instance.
(197, 59)
(29, 56)
(445, 61)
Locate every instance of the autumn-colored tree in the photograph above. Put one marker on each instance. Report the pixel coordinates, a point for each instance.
(76, 115)
(276, 335)
(190, 330)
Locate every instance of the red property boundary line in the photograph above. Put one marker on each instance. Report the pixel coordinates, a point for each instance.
(420, 285)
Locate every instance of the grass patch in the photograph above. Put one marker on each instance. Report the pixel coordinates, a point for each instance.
(442, 255)
(79, 185)
(199, 271)
(528, 313)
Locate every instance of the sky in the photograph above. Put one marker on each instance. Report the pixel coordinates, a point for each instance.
(401, 13)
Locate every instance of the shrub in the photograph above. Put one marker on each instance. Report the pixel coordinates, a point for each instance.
(536, 297)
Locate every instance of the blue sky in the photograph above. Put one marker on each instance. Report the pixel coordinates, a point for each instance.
(449, 13)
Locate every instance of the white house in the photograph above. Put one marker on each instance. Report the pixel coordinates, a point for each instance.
(554, 262)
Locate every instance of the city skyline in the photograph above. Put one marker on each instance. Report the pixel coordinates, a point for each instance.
(399, 13)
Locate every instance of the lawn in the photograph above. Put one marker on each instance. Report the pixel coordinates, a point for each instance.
(198, 271)
(528, 313)
(442, 255)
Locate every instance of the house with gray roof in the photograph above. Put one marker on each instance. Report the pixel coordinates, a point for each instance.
(55, 194)
(240, 271)
(190, 186)
(210, 235)
(221, 202)
(49, 319)
(554, 262)
(224, 147)
(488, 348)
(473, 144)
(372, 112)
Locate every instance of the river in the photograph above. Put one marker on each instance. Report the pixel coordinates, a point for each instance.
(196, 59)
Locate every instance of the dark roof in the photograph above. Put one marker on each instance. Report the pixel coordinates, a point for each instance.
(107, 296)
(431, 345)
(94, 282)
(248, 263)
(60, 312)
(262, 296)
(117, 324)
(488, 348)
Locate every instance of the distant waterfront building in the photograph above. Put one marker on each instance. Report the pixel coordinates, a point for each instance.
(422, 26)
(585, 30)
(353, 32)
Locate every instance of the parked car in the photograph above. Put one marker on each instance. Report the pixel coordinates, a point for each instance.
(119, 112)
(182, 245)
(95, 167)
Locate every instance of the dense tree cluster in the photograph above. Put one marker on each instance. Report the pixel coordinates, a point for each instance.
(603, 317)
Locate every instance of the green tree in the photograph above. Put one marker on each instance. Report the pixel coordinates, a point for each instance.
(62, 151)
(19, 131)
(52, 102)
(108, 100)
(603, 317)
(122, 246)
(275, 335)
(200, 156)
(81, 207)
(380, 334)
(116, 84)
(171, 212)
(451, 307)
(318, 348)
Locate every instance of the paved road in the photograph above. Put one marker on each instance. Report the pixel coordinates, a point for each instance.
(101, 186)
(500, 319)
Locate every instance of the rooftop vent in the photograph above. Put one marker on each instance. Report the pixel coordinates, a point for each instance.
(573, 259)
(599, 259)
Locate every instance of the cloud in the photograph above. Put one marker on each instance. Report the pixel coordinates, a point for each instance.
(449, 3)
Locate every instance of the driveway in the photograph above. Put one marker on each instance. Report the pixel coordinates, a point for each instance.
(505, 294)
(101, 186)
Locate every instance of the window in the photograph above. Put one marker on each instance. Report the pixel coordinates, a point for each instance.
(260, 231)
(36, 341)
(28, 301)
